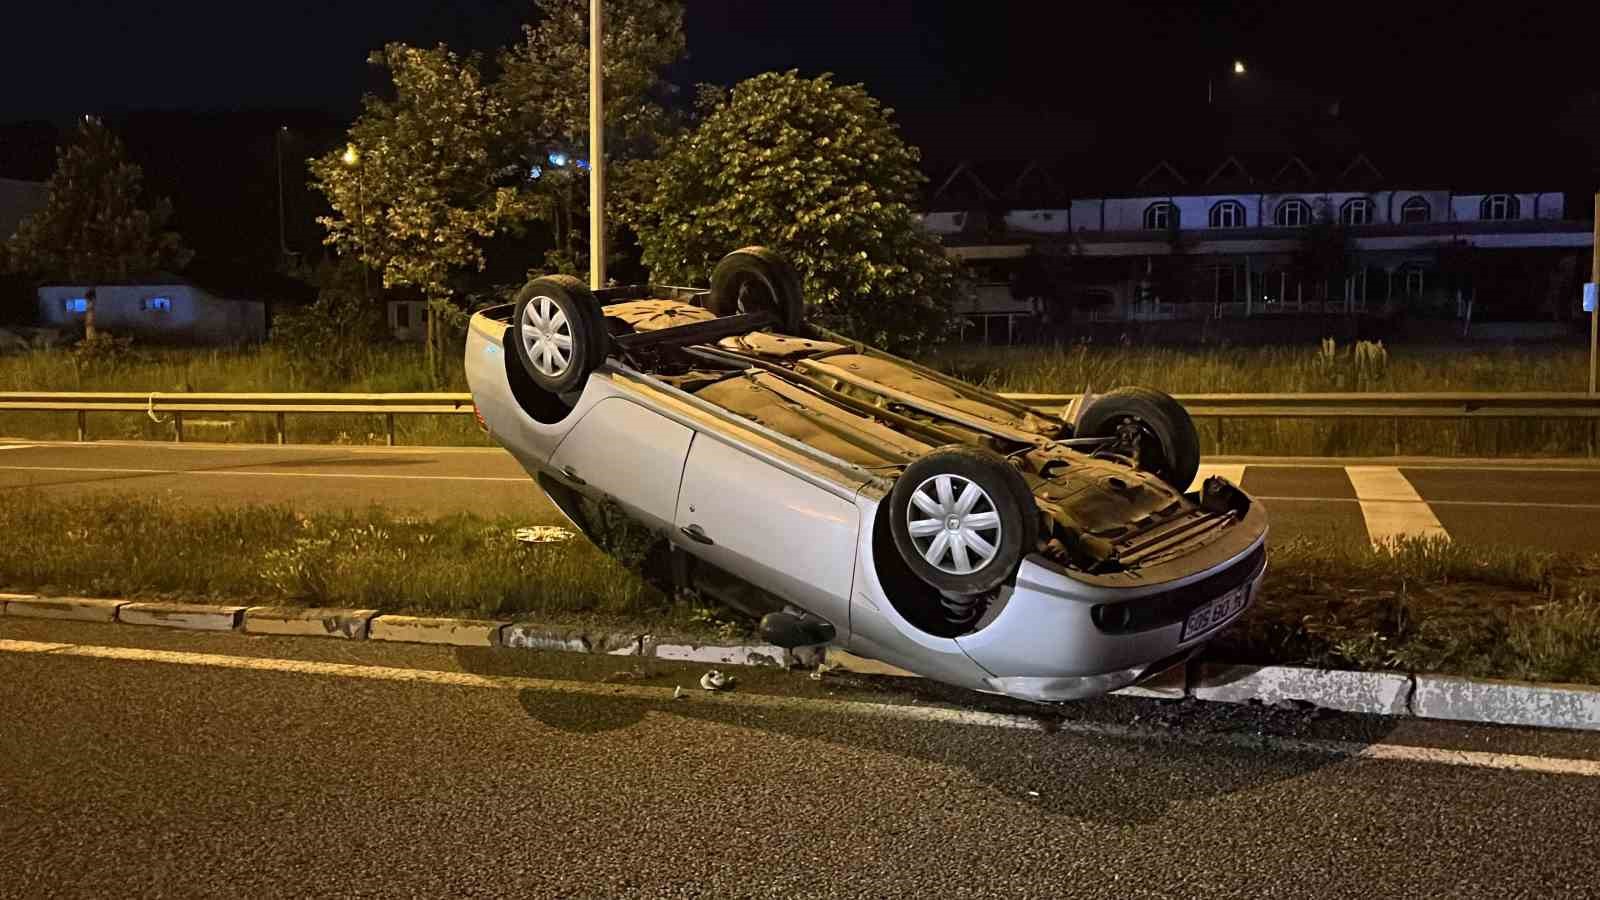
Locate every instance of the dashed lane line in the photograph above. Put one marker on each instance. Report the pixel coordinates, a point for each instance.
(1391, 506)
(1234, 473)
(941, 715)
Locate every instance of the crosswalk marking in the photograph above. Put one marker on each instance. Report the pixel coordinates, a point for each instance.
(1391, 506)
(1233, 473)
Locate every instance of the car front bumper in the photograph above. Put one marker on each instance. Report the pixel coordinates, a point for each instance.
(1045, 645)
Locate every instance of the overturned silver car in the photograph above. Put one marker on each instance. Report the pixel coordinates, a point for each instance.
(860, 500)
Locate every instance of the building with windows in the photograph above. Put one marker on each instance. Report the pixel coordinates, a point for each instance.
(1286, 238)
(165, 311)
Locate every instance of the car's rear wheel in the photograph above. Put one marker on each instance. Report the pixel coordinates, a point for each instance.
(1149, 427)
(560, 332)
(962, 518)
(756, 279)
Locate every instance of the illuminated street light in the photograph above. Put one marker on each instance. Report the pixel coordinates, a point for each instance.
(351, 157)
(1238, 67)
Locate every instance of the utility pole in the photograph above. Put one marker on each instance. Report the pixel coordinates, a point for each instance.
(597, 148)
(277, 149)
(1594, 276)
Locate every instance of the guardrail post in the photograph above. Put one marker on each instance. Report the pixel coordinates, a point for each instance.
(83, 425)
(1396, 435)
(177, 426)
(278, 420)
(1221, 443)
(388, 425)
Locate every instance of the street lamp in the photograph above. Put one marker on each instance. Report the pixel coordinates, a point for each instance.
(352, 158)
(1238, 70)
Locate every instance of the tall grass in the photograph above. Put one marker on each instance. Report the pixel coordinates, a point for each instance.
(384, 368)
(1327, 367)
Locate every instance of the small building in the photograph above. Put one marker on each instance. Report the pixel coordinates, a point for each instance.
(408, 319)
(164, 311)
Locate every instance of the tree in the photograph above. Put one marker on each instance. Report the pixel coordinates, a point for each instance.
(421, 184)
(545, 85)
(1323, 256)
(97, 227)
(818, 172)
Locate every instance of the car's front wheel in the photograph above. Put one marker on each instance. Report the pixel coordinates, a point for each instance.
(962, 518)
(560, 332)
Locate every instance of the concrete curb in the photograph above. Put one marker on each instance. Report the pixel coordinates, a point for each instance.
(738, 655)
(1378, 693)
(1375, 693)
(1507, 702)
(189, 616)
(431, 630)
(301, 621)
(75, 609)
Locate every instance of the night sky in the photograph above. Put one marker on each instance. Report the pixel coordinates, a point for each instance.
(998, 79)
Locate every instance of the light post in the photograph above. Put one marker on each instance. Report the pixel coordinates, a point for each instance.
(597, 148)
(1238, 71)
(352, 158)
(277, 152)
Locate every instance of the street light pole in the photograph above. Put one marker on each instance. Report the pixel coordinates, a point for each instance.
(277, 149)
(597, 148)
(1594, 314)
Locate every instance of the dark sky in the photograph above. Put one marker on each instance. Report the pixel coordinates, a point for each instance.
(999, 79)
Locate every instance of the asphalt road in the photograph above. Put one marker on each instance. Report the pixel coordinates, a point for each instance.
(185, 777)
(1547, 504)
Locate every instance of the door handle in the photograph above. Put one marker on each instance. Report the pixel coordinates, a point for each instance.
(696, 533)
(572, 475)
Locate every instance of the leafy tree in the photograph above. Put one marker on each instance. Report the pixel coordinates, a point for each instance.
(1323, 256)
(97, 226)
(419, 187)
(818, 172)
(545, 84)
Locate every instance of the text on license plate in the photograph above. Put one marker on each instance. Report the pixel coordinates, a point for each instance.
(1216, 613)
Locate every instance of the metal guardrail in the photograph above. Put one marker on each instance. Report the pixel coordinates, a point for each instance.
(177, 405)
(1398, 407)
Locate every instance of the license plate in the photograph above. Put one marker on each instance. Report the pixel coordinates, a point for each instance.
(1215, 614)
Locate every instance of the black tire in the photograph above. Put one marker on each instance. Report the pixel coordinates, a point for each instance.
(1168, 445)
(756, 279)
(1003, 492)
(581, 320)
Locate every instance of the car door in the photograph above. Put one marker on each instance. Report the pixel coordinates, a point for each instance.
(628, 453)
(781, 532)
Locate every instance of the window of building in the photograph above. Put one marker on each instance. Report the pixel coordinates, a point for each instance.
(1414, 282)
(1500, 208)
(1415, 211)
(76, 304)
(402, 315)
(1293, 214)
(1357, 211)
(1227, 214)
(156, 304)
(1160, 216)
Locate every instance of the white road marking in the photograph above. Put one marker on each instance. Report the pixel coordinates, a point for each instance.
(106, 470)
(1512, 504)
(1234, 473)
(942, 715)
(15, 446)
(1392, 507)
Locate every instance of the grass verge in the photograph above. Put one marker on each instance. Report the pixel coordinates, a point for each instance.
(1421, 606)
